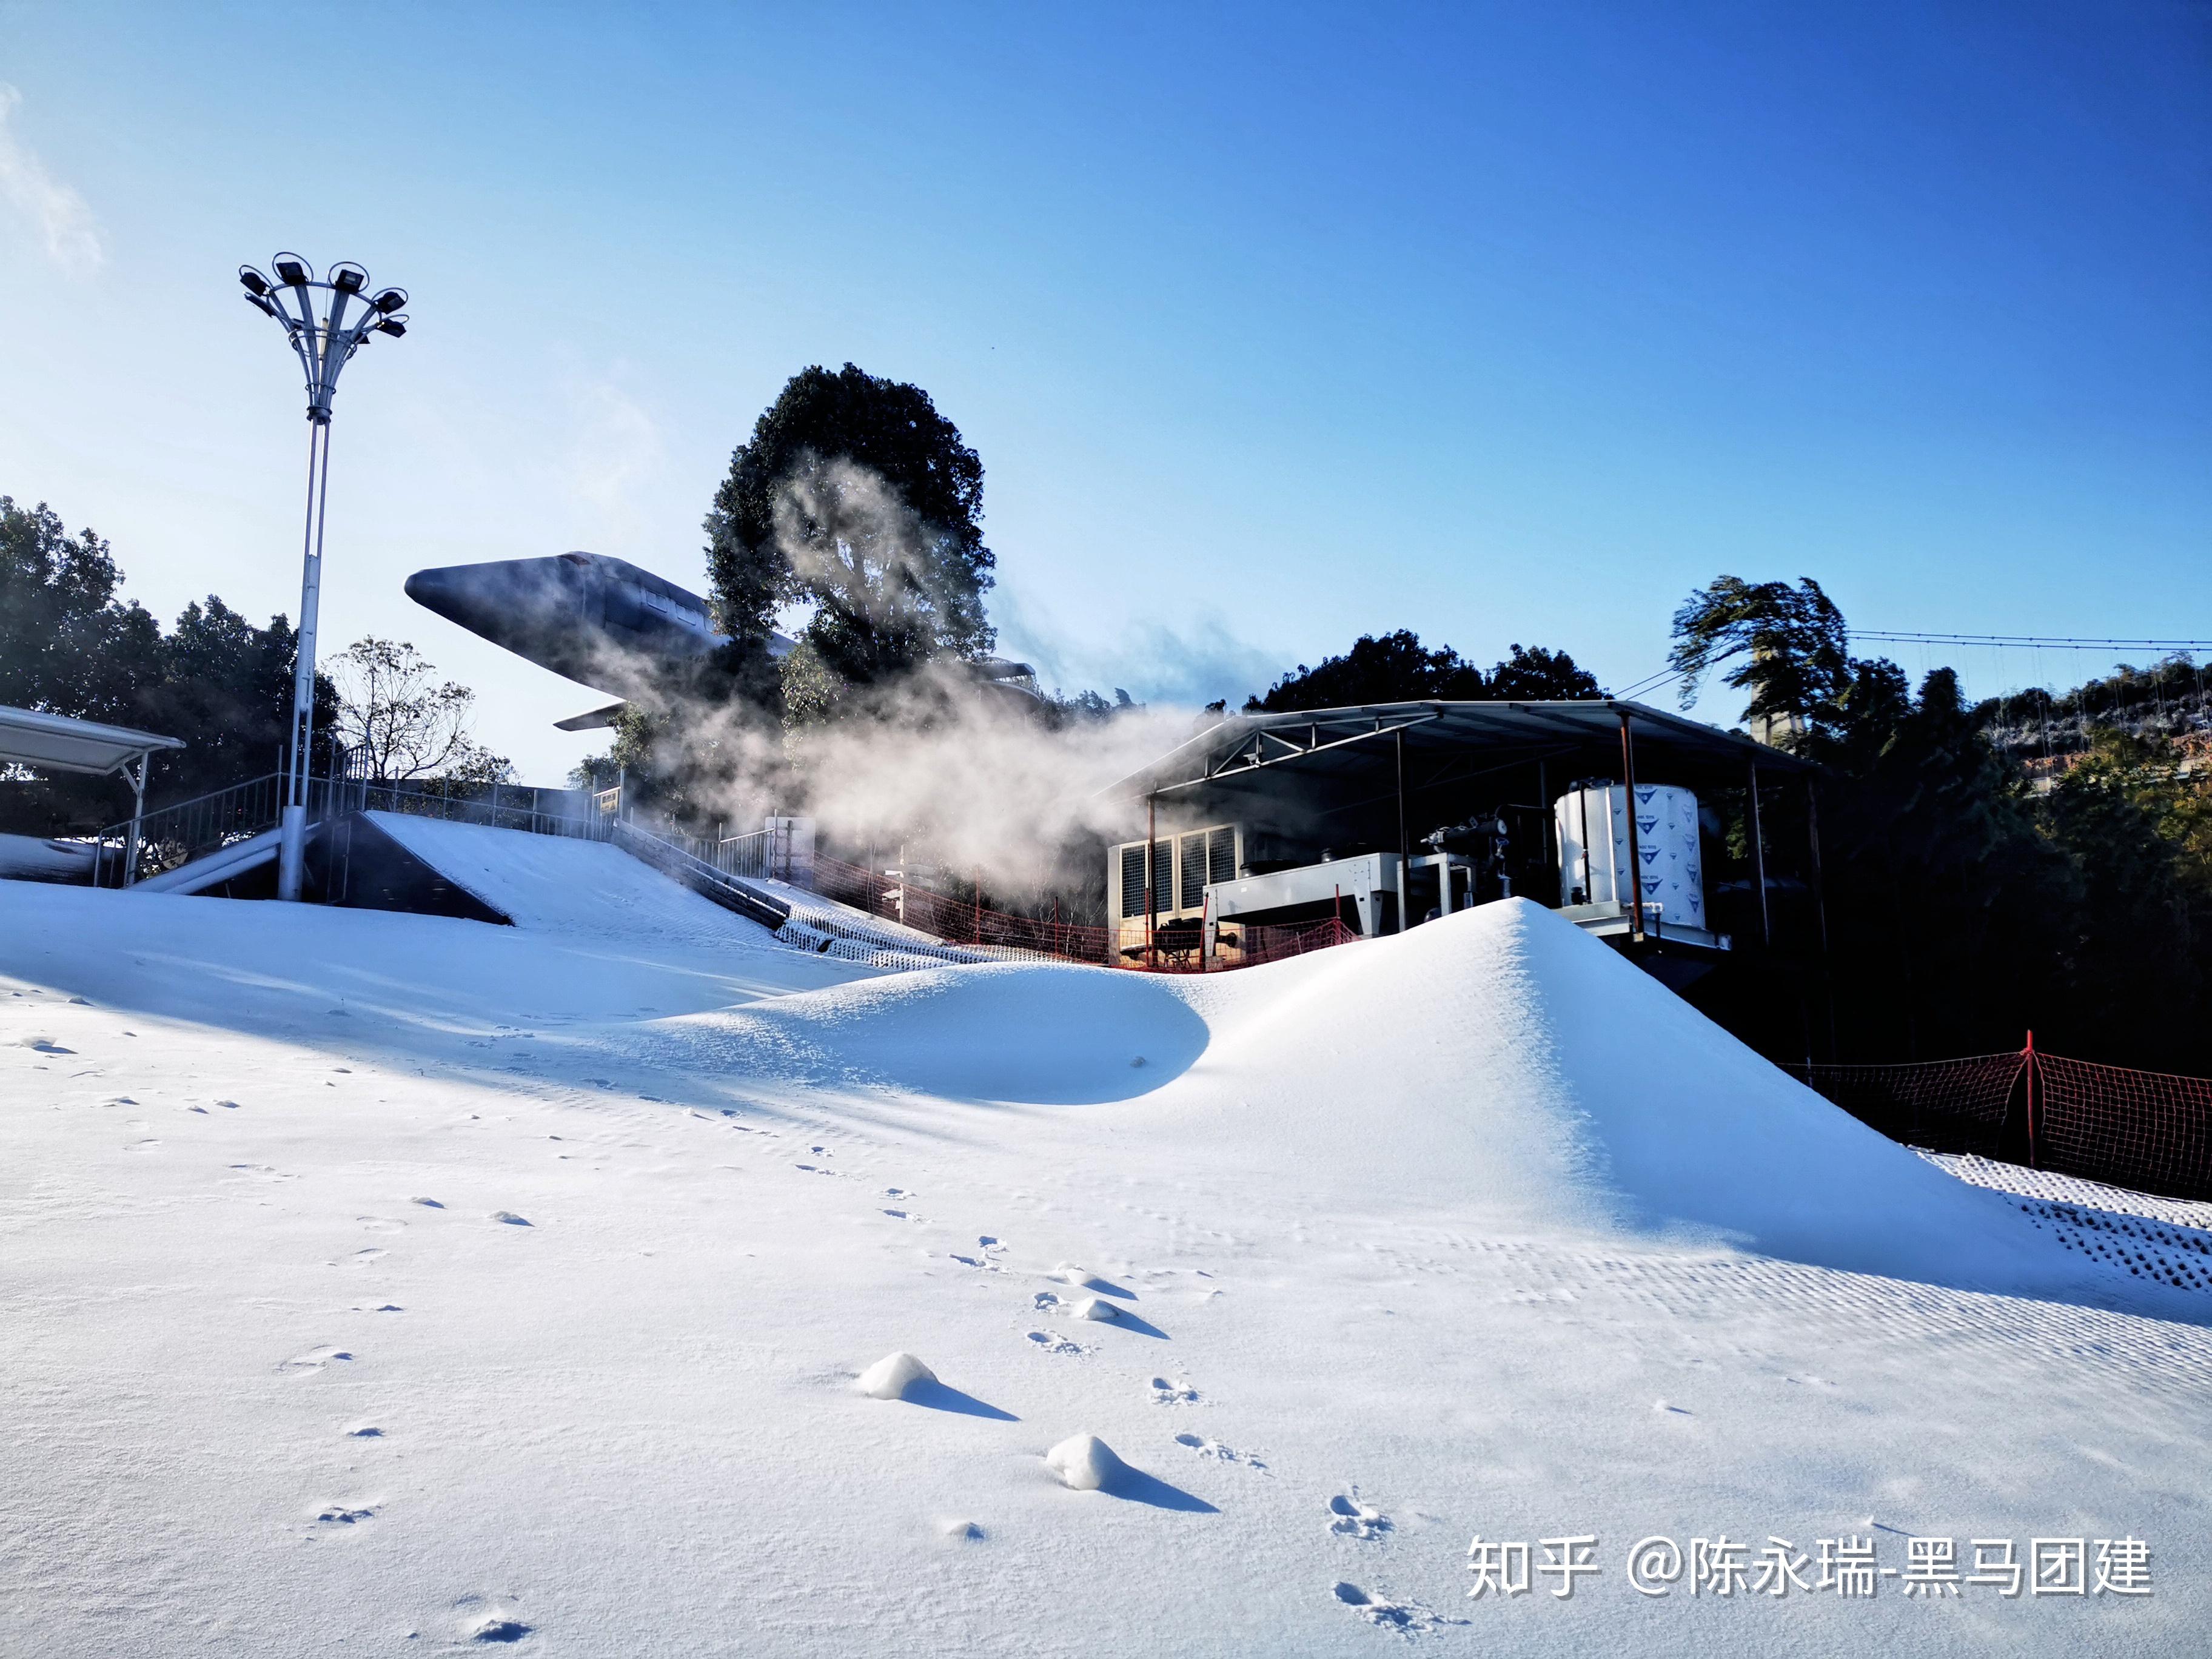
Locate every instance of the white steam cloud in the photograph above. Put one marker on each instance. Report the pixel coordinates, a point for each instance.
(972, 778)
(60, 217)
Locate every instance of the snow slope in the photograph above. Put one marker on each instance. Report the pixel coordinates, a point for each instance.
(557, 884)
(408, 1284)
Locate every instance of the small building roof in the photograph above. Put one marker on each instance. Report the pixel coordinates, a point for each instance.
(33, 738)
(1348, 745)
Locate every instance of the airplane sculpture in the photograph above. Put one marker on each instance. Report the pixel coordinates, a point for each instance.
(605, 623)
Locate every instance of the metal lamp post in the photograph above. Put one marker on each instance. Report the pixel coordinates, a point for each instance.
(315, 315)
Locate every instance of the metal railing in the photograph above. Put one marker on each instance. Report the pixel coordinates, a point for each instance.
(187, 829)
(495, 806)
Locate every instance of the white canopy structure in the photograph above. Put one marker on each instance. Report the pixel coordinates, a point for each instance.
(30, 737)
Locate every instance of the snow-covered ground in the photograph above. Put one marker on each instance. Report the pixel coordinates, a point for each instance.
(378, 1283)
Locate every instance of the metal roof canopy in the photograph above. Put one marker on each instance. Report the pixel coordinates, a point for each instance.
(1241, 763)
(34, 738)
(1340, 745)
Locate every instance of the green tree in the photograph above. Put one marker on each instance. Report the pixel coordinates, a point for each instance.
(855, 495)
(1393, 668)
(1788, 645)
(1541, 676)
(69, 645)
(1396, 667)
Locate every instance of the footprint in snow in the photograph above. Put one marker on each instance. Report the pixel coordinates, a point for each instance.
(1407, 1618)
(1053, 1342)
(313, 1360)
(898, 1215)
(342, 1515)
(1349, 1519)
(1165, 1393)
(1044, 1301)
(1213, 1449)
(364, 1431)
(509, 1218)
(490, 1619)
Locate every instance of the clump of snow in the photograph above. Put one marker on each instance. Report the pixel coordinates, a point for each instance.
(1092, 1307)
(1066, 1274)
(890, 1378)
(1084, 1463)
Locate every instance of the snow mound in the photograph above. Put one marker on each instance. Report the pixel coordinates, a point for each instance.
(1092, 1307)
(1036, 1034)
(1084, 1463)
(1502, 1063)
(890, 1378)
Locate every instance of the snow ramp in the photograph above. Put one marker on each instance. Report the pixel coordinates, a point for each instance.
(568, 884)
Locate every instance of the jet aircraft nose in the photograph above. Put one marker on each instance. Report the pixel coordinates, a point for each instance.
(433, 590)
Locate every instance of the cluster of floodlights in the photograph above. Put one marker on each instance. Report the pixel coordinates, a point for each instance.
(320, 332)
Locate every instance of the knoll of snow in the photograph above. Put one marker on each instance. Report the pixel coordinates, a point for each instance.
(1408, 1237)
(1084, 1463)
(890, 1378)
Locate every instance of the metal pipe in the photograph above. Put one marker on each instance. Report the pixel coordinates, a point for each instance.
(1759, 861)
(1589, 890)
(1635, 850)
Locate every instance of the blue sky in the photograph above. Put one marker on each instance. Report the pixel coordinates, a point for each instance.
(1272, 324)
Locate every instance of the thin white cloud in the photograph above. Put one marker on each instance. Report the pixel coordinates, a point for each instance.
(615, 447)
(55, 212)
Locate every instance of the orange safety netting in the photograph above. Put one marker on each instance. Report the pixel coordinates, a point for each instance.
(2151, 1131)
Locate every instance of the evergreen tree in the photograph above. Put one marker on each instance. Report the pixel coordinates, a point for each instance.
(856, 496)
(1397, 668)
(1788, 645)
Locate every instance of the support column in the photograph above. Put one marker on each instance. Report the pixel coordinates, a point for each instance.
(137, 776)
(1635, 848)
(1544, 826)
(1759, 862)
(292, 850)
(1405, 850)
(1820, 904)
(1151, 872)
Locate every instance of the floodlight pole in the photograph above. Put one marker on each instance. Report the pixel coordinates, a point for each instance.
(324, 341)
(292, 854)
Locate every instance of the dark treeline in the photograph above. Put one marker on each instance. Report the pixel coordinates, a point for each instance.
(1972, 895)
(71, 645)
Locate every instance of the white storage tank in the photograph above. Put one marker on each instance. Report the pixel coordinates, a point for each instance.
(1592, 822)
